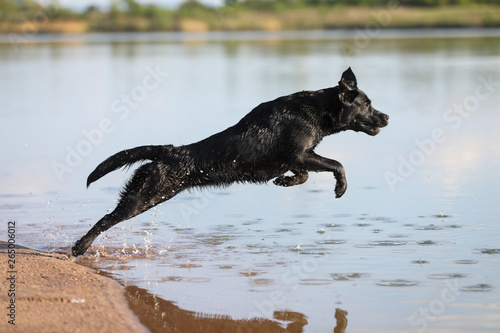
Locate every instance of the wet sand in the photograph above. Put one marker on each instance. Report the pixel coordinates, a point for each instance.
(54, 294)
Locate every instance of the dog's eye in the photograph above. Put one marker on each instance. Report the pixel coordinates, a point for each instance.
(366, 105)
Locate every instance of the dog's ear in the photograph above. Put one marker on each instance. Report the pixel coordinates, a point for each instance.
(348, 87)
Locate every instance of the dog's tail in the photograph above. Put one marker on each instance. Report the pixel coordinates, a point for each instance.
(127, 157)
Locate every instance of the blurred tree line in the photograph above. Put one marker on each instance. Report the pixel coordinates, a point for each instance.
(130, 15)
(278, 4)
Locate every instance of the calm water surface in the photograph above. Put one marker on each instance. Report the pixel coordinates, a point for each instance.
(413, 246)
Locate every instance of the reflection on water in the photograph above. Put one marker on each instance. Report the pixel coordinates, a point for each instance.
(163, 316)
(278, 258)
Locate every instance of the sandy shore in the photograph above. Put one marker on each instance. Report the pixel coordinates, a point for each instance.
(51, 293)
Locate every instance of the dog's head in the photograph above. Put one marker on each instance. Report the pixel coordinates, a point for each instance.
(357, 113)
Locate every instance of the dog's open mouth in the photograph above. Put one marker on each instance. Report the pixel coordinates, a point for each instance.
(373, 125)
(369, 129)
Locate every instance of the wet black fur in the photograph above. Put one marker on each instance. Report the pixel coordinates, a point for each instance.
(274, 138)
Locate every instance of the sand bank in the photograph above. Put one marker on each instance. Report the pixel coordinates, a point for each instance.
(49, 293)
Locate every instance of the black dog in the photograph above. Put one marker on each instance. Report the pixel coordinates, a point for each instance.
(274, 138)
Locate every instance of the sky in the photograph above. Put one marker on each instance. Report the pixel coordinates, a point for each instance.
(83, 4)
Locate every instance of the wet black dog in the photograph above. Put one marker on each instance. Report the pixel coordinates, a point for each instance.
(274, 138)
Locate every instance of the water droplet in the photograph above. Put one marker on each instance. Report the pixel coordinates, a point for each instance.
(420, 261)
(250, 272)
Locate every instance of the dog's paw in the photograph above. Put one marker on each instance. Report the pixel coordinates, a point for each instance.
(79, 248)
(340, 188)
(282, 181)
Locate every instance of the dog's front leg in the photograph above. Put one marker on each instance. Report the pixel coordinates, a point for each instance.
(314, 162)
(299, 177)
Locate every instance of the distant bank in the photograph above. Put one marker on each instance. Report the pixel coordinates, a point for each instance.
(55, 20)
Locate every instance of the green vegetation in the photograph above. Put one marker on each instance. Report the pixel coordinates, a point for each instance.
(128, 15)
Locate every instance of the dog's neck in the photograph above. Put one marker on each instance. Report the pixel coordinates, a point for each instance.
(329, 111)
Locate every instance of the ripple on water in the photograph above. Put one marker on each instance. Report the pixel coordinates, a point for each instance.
(396, 283)
(441, 216)
(383, 219)
(364, 246)
(188, 265)
(348, 276)
(341, 215)
(226, 267)
(265, 264)
(429, 227)
(335, 225)
(309, 249)
(312, 251)
(315, 191)
(198, 280)
(387, 243)
(331, 242)
(250, 272)
(262, 282)
(489, 251)
(315, 282)
(172, 279)
(427, 242)
(481, 287)
(303, 216)
(466, 262)
(420, 261)
(443, 276)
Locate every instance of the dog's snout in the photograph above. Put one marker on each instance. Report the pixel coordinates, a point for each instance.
(383, 117)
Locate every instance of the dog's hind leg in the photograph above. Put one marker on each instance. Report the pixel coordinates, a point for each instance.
(102, 225)
(150, 185)
(299, 177)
